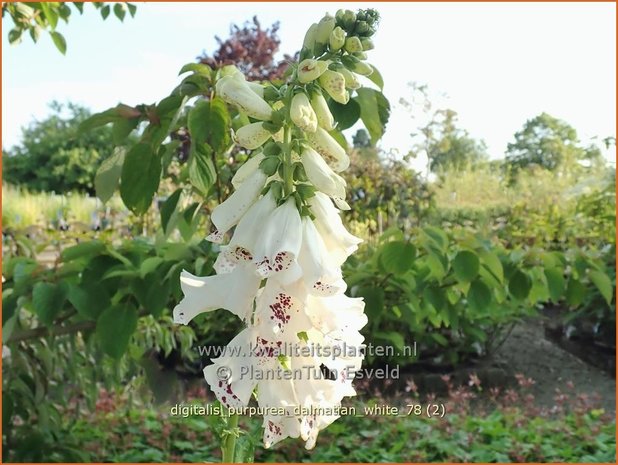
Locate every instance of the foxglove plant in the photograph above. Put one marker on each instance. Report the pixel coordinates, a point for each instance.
(280, 271)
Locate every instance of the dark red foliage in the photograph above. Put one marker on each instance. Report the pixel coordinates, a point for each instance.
(252, 49)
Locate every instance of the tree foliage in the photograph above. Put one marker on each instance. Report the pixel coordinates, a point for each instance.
(53, 156)
(37, 17)
(252, 50)
(548, 142)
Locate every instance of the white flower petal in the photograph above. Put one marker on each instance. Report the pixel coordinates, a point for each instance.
(237, 92)
(228, 213)
(247, 169)
(233, 291)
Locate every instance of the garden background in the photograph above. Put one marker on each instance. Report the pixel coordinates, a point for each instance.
(489, 234)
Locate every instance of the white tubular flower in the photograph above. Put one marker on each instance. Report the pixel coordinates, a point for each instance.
(280, 312)
(257, 88)
(325, 117)
(321, 175)
(247, 169)
(237, 92)
(339, 242)
(234, 292)
(302, 113)
(336, 314)
(333, 153)
(281, 238)
(320, 275)
(243, 244)
(252, 136)
(310, 69)
(334, 83)
(278, 394)
(229, 213)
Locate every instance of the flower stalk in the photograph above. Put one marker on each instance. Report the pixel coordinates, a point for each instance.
(280, 271)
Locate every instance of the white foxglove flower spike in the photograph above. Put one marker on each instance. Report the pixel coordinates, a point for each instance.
(321, 175)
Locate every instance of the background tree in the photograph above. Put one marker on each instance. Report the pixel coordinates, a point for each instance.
(437, 135)
(548, 142)
(252, 50)
(53, 156)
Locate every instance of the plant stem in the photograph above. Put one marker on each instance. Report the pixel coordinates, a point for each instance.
(230, 441)
(288, 182)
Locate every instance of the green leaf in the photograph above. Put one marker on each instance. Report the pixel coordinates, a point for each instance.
(479, 295)
(202, 172)
(51, 15)
(59, 41)
(466, 266)
(89, 299)
(83, 249)
(347, 115)
(435, 265)
(108, 175)
(149, 265)
(437, 237)
(105, 11)
(168, 208)
(47, 301)
(376, 78)
(15, 36)
(520, 285)
(79, 6)
(375, 111)
(603, 284)
(374, 300)
(114, 329)
(119, 11)
(99, 119)
(132, 9)
(397, 257)
(575, 293)
(198, 68)
(141, 173)
(209, 122)
(493, 264)
(555, 283)
(152, 294)
(392, 336)
(122, 128)
(269, 165)
(436, 297)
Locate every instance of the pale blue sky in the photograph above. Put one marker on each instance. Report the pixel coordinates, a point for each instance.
(499, 64)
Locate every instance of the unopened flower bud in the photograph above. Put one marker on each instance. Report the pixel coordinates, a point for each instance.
(337, 39)
(325, 27)
(334, 83)
(252, 136)
(334, 154)
(302, 113)
(309, 41)
(363, 68)
(310, 69)
(325, 117)
(351, 82)
(237, 92)
(361, 27)
(353, 44)
(367, 43)
(347, 19)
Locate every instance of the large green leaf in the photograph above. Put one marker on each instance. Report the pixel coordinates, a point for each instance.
(47, 300)
(140, 177)
(89, 299)
(520, 285)
(555, 283)
(114, 329)
(479, 295)
(209, 122)
(375, 111)
(202, 172)
(397, 257)
(603, 284)
(108, 175)
(168, 208)
(59, 41)
(466, 266)
(345, 115)
(575, 293)
(493, 264)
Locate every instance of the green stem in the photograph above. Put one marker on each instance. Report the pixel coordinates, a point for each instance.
(229, 445)
(288, 181)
